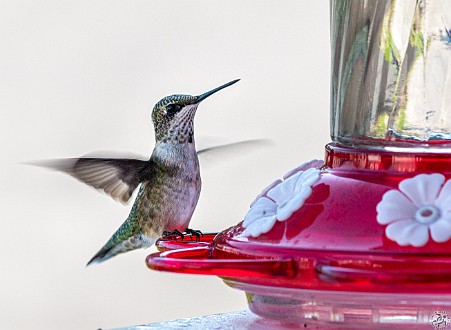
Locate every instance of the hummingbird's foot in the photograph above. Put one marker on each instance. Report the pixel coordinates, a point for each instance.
(175, 233)
(194, 232)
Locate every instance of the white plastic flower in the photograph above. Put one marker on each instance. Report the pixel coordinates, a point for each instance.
(281, 199)
(422, 205)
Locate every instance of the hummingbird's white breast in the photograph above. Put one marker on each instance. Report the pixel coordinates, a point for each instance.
(172, 198)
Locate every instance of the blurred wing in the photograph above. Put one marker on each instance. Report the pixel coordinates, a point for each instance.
(116, 177)
(235, 148)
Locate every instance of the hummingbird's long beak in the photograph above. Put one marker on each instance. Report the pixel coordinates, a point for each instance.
(203, 96)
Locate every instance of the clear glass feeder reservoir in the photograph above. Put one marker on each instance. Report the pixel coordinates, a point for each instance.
(362, 239)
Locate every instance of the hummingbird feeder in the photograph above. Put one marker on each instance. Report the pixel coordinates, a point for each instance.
(363, 238)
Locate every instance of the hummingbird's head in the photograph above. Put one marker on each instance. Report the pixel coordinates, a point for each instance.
(173, 116)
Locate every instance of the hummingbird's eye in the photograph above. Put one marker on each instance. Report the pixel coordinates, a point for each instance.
(172, 109)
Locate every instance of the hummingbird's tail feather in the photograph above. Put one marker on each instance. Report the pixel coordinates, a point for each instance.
(127, 237)
(102, 255)
(111, 248)
(117, 177)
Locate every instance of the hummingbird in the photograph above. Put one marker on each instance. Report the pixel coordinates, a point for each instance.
(169, 182)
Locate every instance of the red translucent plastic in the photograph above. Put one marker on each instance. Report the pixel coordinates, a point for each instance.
(196, 261)
(173, 243)
(187, 255)
(333, 242)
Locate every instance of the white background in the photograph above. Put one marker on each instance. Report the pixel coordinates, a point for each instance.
(80, 76)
